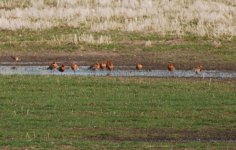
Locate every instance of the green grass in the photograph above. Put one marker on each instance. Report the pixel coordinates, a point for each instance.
(113, 113)
(25, 41)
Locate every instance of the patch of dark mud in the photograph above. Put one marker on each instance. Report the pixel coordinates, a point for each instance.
(164, 135)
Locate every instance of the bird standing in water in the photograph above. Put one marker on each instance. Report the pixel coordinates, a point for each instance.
(95, 66)
(74, 67)
(62, 68)
(171, 67)
(53, 66)
(198, 69)
(110, 65)
(103, 65)
(139, 66)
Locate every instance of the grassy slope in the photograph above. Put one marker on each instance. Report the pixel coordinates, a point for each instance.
(182, 50)
(179, 50)
(67, 112)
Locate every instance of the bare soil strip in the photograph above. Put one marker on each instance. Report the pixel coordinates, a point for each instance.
(168, 135)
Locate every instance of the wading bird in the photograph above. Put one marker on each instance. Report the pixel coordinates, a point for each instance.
(53, 66)
(95, 66)
(103, 65)
(198, 69)
(62, 68)
(15, 58)
(171, 67)
(74, 67)
(139, 66)
(110, 65)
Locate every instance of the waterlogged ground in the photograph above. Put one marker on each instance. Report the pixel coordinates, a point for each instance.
(124, 71)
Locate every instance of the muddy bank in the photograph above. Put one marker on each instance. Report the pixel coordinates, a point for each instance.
(149, 60)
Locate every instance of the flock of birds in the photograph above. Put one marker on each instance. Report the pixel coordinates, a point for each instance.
(105, 65)
(109, 65)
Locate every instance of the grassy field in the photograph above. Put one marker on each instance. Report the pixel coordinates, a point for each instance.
(178, 31)
(60, 42)
(53, 43)
(63, 112)
(68, 112)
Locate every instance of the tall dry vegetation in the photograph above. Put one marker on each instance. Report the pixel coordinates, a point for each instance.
(179, 17)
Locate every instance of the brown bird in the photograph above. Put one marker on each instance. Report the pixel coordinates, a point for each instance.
(171, 67)
(15, 58)
(95, 66)
(74, 67)
(53, 66)
(62, 68)
(139, 66)
(198, 69)
(110, 65)
(103, 65)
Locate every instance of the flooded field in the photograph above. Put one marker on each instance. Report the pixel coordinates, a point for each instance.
(124, 71)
